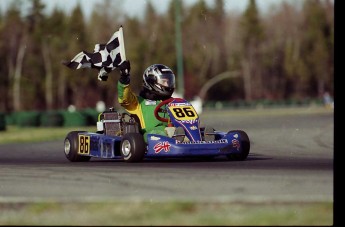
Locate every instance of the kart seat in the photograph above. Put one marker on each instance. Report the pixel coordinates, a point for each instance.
(132, 124)
(137, 120)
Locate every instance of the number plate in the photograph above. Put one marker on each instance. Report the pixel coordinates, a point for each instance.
(183, 113)
(84, 144)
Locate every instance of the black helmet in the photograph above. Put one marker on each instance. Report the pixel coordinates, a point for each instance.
(159, 80)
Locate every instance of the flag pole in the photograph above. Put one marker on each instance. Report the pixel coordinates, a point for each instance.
(122, 44)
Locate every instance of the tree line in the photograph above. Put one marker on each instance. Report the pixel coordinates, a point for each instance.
(287, 53)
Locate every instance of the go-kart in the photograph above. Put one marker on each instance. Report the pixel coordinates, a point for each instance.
(119, 136)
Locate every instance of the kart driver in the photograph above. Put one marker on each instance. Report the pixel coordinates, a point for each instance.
(158, 85)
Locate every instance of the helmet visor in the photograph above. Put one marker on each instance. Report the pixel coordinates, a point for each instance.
(166, 80)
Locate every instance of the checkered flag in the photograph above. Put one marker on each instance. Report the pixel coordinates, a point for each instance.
(105, 58)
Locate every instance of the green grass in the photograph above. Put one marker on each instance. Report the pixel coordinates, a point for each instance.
(166, 213)
(14, 134)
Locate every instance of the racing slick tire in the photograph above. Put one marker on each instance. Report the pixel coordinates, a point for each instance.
(133, 147)
(245, 145)
(71, 145)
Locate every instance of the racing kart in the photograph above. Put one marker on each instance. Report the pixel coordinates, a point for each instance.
(119, 136)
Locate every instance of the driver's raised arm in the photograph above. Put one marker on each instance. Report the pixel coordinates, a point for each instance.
(126, 97)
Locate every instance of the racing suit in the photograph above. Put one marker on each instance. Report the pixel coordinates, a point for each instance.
(142, 107)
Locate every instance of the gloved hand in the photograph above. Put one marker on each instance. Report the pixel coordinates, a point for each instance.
(102, 75)
(125, 68)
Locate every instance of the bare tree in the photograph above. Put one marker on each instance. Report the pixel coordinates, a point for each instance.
(49, 76)
(16, 92)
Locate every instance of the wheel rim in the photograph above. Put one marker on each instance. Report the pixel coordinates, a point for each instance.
(126, 148)
(67, 147)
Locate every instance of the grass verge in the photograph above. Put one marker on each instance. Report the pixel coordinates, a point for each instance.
(162, 213)
(15, 134)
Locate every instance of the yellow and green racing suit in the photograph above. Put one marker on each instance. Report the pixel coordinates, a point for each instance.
(142, 108)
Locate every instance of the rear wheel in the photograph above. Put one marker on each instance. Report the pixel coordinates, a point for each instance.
(133, 147)
(245, 147)
(71, 146)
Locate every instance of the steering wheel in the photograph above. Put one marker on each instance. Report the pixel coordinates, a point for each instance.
(159, 109)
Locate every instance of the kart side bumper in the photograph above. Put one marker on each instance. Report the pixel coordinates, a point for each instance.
(162, 146)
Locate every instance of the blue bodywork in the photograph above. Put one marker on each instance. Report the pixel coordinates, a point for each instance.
(182, 114)
(162, 146)
(103, 146)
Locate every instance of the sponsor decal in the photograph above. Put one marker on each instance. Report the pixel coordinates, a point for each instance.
(155, 138)
(236, 144)
(180, 104)
(162, 146)
(236, 136)
(150, 102)
(204, 142)
(193, 127)
(189, 121)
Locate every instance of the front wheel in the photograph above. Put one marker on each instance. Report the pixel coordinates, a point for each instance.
(133, 147)
(71, 146)
(245, 147)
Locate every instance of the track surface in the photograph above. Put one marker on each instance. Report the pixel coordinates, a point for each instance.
(291, 159)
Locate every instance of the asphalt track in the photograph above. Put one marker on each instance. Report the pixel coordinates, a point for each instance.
(291, 159)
